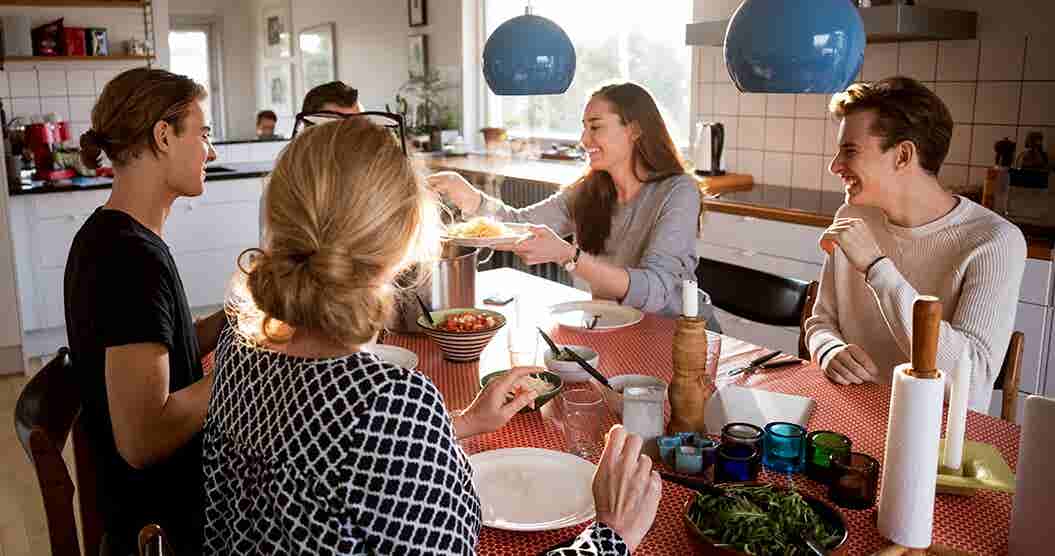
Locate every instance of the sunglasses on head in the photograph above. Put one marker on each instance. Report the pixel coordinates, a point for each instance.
(392, 122)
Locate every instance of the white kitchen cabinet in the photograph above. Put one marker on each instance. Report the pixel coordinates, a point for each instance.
(1049, 374)
(205, 235)
(1033, 321)
(771, 237)
(1037, 282)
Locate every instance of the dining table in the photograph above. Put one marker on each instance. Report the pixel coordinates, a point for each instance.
(975, 524)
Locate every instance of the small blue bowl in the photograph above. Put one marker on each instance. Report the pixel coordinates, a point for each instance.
(687, 438)
(688, 460)
(667, 446)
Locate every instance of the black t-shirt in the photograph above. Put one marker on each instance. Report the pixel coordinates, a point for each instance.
(122, 287)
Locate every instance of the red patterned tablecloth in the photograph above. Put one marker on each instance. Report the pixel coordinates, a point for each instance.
(977, 524)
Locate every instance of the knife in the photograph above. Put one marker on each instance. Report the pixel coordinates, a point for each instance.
(758, 361)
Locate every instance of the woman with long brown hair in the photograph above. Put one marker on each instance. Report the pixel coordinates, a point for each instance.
(634, 213)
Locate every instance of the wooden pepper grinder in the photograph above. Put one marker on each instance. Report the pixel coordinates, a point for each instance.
(692, 386)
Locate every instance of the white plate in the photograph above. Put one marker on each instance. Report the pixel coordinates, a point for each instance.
(394, 354)
(579, 314)
(531, 489)
(519, 232)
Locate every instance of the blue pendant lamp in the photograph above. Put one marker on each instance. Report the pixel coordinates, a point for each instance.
(529, 55)
(794, 46)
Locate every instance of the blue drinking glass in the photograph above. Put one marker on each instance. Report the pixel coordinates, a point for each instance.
(736, 463)
(687, 460)
(668, 445)
(784, 447)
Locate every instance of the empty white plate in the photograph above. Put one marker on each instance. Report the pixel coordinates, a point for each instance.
(580, 315)
(531, 489)
(394, 354)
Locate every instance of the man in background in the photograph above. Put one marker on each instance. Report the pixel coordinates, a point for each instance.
(265, 124)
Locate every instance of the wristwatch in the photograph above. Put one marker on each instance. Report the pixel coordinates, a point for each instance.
(574, 261)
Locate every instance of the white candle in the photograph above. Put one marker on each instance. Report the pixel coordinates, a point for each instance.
(957, 421)
(689, 300)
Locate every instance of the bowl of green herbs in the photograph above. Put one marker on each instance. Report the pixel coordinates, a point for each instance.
(763, 520)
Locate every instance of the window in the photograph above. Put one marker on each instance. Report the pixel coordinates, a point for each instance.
(192, 54)
(615, 40)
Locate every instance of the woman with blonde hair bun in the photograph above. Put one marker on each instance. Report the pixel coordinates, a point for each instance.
(313, 446)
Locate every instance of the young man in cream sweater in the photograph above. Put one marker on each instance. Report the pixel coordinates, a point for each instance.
(900, 234)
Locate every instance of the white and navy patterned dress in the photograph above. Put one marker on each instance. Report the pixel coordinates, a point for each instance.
(348, 455)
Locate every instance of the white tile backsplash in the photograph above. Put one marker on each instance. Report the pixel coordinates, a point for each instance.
(5, 89)
(780, 134)
(918, 60)
(102, 77)
(959, 99)
(953, 176)
(781, 105)
(1038, 103)
(705, 98)
(52, 83)
(976, 176)
(997, 102)
(80, 83)
(777, 169)
(23, 84)
(983, 139)
(960, 145)
(806, 171)
(752, 133)
(752, 104)
(1002, 58)
(1040, 57)
(809, 136)
(81, 109)
(1049, 140)
(1001, 85)
(56, 105)
(880, 61)
(811, 106)
(958, 60)
(25, 107)
(726, 100)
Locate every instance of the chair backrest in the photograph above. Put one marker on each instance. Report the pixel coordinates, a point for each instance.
(1010, 375)
(753, 294)
(45, 416)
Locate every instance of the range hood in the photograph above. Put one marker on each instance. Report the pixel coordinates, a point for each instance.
(894, 23)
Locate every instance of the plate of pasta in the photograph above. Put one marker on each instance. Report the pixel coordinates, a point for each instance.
(484, 231)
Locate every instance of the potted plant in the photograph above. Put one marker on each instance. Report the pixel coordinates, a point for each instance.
(425, 108)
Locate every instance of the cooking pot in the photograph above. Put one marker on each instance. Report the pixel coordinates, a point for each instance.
(450, 283)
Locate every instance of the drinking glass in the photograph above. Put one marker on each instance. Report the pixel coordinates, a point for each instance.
(821, 448)
(523, 337)
(584, 418)
(714, 352)
(736, 463)
(743, 433)
(854, 481)
(784, 447)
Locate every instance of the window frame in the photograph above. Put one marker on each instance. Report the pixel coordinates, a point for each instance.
(214, 44)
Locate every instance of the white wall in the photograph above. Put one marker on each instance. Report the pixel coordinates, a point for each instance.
(232, 25)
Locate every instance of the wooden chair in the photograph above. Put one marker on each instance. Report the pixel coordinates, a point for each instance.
(152, 541)
(45, 416)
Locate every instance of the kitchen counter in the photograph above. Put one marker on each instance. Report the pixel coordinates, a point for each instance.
(216, 172)
(1040, 239)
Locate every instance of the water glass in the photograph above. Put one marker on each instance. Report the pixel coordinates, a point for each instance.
(668, 445)
(743, 433)
(584, 418)
(688, 460)
(784, 447)
(855, 481)
(736, 463)
(821, 448)
(714, 352)
(523, 347)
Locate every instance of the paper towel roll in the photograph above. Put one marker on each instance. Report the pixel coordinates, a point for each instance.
(906, 496)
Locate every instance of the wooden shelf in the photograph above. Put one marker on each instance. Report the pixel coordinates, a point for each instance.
(75, 3)
(116, 57)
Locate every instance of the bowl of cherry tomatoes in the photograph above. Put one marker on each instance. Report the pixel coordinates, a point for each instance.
(462, 334)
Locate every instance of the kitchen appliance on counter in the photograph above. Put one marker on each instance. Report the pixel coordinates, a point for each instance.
(44, 140)
(707, 152)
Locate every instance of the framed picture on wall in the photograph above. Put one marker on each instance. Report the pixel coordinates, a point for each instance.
(318, 63)
(418, 13)
(418, 61)
(277, 31)
(278, 89)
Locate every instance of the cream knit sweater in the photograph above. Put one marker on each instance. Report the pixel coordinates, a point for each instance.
(970, 258)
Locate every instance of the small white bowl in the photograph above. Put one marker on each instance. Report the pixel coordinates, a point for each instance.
(619, 382)
(570, 371)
